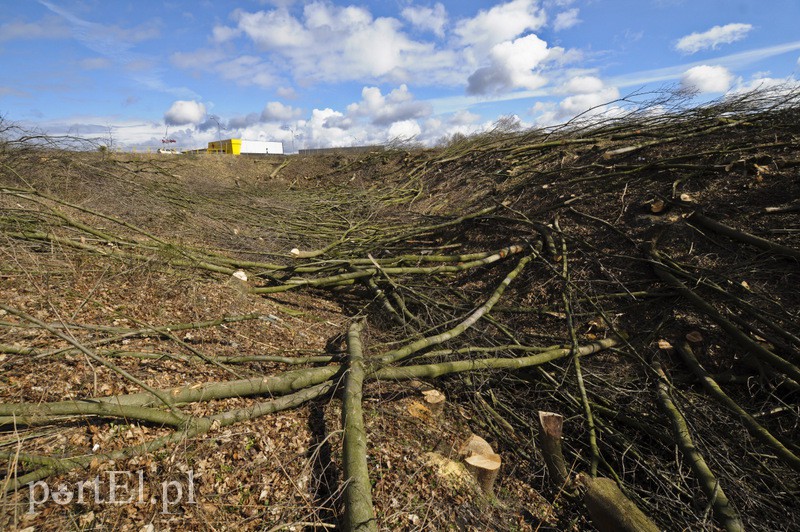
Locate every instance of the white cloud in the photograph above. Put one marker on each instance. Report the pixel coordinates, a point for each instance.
(327, 43)
(588, 96)
(183, 112)
(278, 112)
(118, 132)
(269, 29)
(464, 118)
(317, 132)
(431, 19)
(593, 102)
(712, 38)
(737, 61)
(331, 43)
(47, 28)
(242, 70)
(438, 130)
(500, 23)
(286, 92)
(398, 105)
(511, 66)
(706, 78)
(582, 85)
(765, 83)
(235, 123)
(566, 19)
(404, 130)
(224, 33)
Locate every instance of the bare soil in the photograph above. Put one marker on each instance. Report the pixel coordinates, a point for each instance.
(130, 257)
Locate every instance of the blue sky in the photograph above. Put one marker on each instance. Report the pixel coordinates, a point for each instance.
(340, 73)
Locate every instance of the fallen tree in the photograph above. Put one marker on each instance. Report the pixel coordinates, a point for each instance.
(516, 271)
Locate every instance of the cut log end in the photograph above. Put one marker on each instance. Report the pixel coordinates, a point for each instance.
(434, 400)
(482, 462)
(550, 440)
(552, 423)
(485, 469)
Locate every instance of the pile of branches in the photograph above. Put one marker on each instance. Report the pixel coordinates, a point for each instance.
(663, 243)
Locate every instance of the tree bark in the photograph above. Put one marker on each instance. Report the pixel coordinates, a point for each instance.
(723, 510)
(359, 514)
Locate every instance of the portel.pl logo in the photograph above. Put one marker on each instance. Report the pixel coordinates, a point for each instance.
(115, 487)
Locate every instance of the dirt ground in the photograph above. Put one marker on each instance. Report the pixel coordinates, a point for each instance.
(116, 274)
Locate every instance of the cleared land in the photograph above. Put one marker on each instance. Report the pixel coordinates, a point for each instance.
(638, 276)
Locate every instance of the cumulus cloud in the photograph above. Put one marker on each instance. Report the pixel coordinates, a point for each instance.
(319, 132)
(501, 23)
(431, 19)
(268, 29)
(464, 118)
(593, 102)
(588, 96)
(707, 78)
(183, 112)
(322, 42)
(443, 130)
(237, 122)
(398, 105)
(511, 66)
(404, 130)
(582, 85)
(765, 83)
(712, 38)
(339, 121)
(278, 112)
(224, 33)
(331, 43)
(566, 19)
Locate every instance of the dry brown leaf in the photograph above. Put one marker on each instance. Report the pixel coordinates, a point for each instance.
(694, 337)
(665, 345)
(657, 206)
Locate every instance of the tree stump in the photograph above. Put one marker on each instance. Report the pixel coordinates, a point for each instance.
(482, 462)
